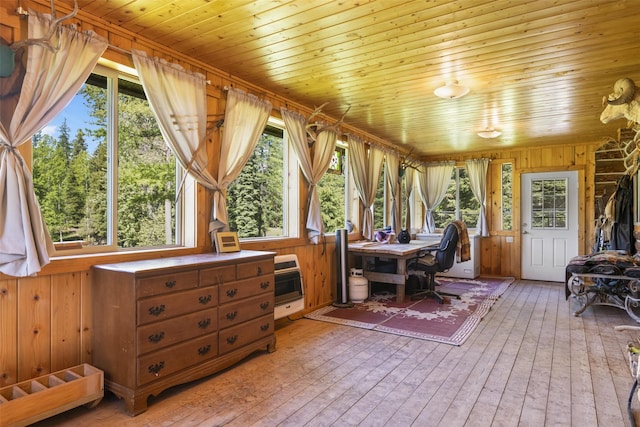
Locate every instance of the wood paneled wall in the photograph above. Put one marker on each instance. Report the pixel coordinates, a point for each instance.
(46, 321)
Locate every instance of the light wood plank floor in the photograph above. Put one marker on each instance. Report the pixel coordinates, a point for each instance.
(530, 362)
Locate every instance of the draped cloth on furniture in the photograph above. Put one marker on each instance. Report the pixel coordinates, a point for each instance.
(366, 165)
(178, 99)
(433, 181)
(477, 170)
(313, 164)
(50, 82)
(393, 180)
(244, 121)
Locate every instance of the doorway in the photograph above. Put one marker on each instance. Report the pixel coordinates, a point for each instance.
(549, 224)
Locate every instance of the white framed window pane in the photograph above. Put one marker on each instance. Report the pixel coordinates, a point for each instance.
(332, 193)
(549, 203)
(96, 207)
(146, 174)
(256, 199)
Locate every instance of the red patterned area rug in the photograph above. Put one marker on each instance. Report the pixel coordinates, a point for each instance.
(449, 323)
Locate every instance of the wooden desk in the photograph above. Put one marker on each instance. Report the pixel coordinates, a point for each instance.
(400, 252)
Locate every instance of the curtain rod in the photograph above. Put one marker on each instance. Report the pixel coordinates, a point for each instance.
(128, 52)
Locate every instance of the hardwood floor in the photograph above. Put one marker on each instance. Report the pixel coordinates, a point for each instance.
(530, 362)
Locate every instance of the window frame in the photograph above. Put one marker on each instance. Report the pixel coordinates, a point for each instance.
(291, 189)
(185, 205)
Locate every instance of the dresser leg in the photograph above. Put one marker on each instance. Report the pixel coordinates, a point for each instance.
(271, 347)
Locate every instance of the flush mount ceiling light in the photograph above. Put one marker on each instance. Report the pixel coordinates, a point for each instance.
(451, 90)
(489, 133)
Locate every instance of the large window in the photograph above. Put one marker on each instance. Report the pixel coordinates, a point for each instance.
(506, 196)
(262, 200)
(103, 175)
(458, 203)
(379, 205)
(332, 190)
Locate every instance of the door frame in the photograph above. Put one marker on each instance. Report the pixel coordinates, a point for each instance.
(582, 208)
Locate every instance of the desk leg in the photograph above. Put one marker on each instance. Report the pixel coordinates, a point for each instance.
(402, 269)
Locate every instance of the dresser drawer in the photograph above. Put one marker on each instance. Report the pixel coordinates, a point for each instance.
(166, 283)
(217, 275)
(246, 288)
(254, 268)
(168, 332)
(170, 305)
(172, 359)
(247, 309)
(245, 333)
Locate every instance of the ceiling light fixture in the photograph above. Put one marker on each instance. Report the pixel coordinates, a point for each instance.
(451, 90)
(489, 133)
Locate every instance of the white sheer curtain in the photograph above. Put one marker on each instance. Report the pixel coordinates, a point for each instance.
(477, 170)
(178, 99)
(409, 174)
(314, 163)
(433, 181)
(50, 82)
(393, 181)
(244, 120)
(366, 166)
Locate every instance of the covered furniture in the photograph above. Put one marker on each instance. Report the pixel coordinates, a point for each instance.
(609, 277)
(430, 261)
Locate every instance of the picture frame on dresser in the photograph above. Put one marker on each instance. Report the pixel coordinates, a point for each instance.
(226, 241)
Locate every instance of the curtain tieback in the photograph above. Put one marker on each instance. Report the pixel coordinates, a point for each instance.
(13, 150)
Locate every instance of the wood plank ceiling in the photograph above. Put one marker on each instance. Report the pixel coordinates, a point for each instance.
(537, 70)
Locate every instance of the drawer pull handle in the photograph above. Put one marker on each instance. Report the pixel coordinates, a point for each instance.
(203, 324)
(264, 327)
(205, 300)
(264, 305)
(154, 338)
(155, 368)
(157, 310)
(232, 292)
(232, 339)
(170, 284)
(264, 285)
(232, 315)
(259, 270)
(204, 350)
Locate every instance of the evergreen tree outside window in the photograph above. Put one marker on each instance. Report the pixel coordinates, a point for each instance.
(458, 203)
(256, 199)
(507, 199)
(90, 204)
(332, 189)
(379, 217)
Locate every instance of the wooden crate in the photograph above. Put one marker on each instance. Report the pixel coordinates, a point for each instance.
(39, 398)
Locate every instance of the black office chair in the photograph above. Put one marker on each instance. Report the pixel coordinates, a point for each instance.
(435, 260)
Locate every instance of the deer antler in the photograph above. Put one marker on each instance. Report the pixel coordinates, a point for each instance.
(46, 40)
(313, 129)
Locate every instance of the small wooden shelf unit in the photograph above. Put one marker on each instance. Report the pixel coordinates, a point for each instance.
(163, 322)
(33, 400)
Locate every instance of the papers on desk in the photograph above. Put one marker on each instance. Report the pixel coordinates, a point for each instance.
(363, 244)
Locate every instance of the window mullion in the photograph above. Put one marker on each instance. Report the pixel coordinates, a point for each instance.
(112, 160)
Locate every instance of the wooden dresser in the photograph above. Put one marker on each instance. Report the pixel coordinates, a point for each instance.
(162, 322)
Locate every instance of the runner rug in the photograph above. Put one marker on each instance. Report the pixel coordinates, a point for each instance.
(449, 323)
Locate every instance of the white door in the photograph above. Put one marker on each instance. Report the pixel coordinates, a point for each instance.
(549, 224)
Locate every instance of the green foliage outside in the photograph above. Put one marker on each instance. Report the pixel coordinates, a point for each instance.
(331, 190)
(507, 198)
(71, 183)
(468, 209)
(255, 199)
(378, 204)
